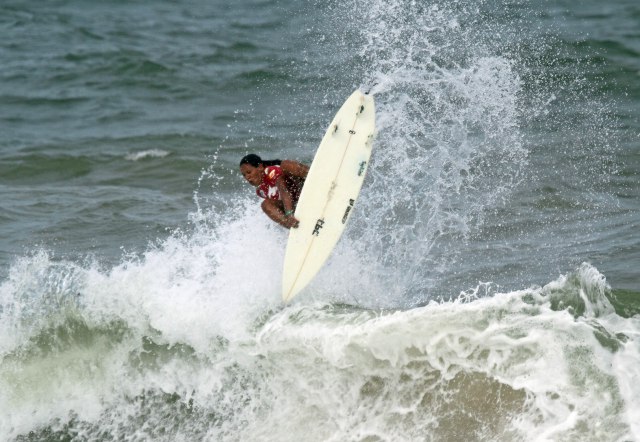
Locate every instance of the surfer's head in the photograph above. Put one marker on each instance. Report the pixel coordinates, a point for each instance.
(252, 169)
(252, 159)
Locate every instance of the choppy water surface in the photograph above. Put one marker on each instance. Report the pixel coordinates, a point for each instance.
(486, 287)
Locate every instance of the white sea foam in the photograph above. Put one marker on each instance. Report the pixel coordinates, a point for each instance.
(198, 318)
(150, 153)
(556, 378)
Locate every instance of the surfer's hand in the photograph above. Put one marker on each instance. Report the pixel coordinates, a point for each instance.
(290, 222)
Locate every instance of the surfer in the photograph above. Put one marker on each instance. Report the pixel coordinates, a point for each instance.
(279, 183)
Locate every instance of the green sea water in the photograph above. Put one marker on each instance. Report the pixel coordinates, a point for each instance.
(487, 287)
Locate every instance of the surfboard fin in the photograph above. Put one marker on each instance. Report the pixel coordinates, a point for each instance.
(371, 87)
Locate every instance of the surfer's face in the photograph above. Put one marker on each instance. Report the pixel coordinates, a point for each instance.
(252, 174)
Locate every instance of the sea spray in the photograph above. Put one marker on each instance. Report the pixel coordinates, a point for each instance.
(448, 149)
(91, 339)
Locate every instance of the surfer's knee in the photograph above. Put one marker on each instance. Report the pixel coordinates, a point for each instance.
(271, 207)
(267, 205)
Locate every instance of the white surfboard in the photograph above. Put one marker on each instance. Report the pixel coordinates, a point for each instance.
(330, 192)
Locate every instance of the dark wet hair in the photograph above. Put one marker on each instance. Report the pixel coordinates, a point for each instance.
(254, 160)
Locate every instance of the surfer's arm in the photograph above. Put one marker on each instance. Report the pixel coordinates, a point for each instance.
(294, 168)
(287, 204)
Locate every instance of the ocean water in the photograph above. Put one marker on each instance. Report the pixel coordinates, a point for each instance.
(486, 288)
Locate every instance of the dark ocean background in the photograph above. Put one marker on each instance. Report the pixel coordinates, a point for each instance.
(486, 288)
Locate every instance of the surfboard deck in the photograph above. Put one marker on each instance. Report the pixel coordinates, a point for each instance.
(330, 192)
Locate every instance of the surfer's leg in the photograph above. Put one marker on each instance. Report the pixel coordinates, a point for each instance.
(274, 210)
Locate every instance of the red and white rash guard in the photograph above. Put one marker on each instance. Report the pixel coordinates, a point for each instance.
(269, 189)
